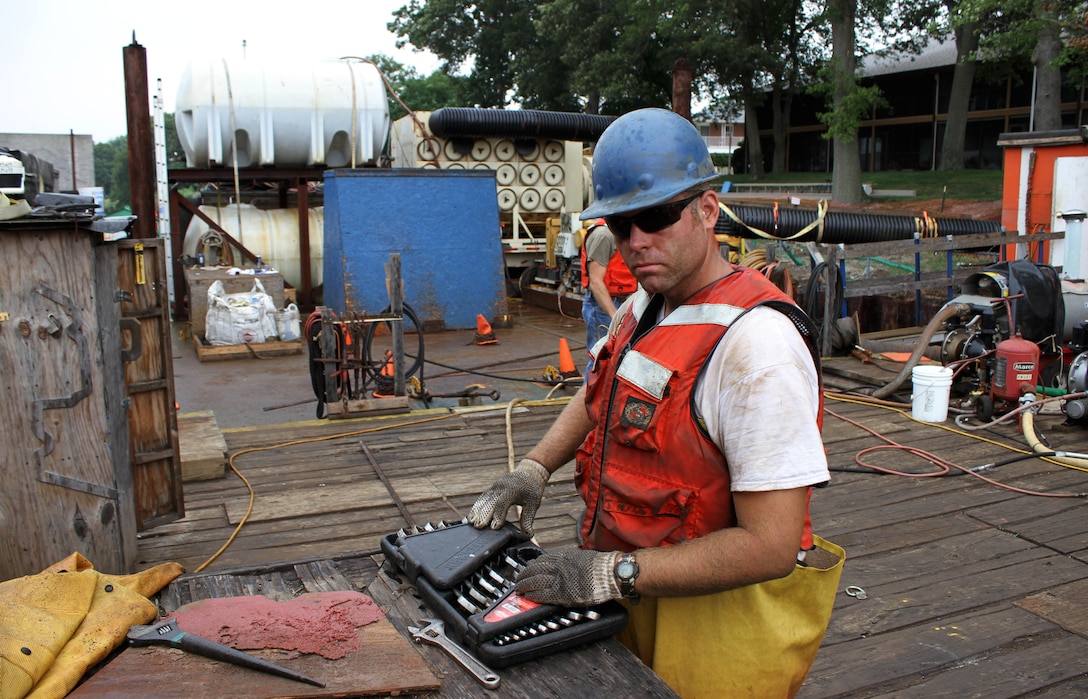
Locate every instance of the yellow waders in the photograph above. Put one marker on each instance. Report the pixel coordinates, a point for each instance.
(757, 641)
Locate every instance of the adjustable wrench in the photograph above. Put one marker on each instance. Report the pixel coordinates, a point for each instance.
(435, 633)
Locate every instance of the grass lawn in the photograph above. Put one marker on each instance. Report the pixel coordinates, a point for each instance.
(971, 185)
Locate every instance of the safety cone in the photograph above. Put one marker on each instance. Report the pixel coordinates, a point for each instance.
(484, 334)
(566, 362)
(384, 383)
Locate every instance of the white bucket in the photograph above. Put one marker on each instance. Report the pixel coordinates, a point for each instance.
(929, 401)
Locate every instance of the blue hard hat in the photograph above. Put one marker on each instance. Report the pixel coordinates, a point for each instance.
(645, 158)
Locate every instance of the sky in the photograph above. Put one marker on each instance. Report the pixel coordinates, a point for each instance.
(64, 62)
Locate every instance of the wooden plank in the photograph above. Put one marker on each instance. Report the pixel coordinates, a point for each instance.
(993, 676)
(202, 446)
(943, 243)
(900, 596)
(321, 576)
(384, 665)
(585, 671)
(218, 353)
(67, 469)
(377, 406)
(149, 381)
(1062, 605)
(857, 665)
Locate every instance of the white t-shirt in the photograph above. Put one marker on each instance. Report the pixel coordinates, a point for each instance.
(762, 416)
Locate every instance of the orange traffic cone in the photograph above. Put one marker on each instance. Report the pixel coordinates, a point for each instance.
(566, 362)
(384, 383)
(484, 335)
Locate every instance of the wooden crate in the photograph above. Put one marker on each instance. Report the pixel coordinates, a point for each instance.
(198, 279)
(90, 442)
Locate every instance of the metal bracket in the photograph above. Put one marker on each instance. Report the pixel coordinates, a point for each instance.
(74, 331)
(136, 349)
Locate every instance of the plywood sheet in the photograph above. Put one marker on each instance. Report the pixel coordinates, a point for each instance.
(1063, 605)
(385, 663)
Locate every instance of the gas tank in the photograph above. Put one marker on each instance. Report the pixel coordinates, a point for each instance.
(332, 113)
(1016, 365)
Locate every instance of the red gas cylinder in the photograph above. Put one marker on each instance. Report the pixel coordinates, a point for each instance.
(1016, 365)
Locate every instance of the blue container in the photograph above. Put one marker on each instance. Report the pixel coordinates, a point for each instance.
(443, 223)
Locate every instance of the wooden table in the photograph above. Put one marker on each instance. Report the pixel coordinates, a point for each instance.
(583, 671)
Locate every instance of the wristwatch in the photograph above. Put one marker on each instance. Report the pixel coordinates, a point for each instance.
(626, 572)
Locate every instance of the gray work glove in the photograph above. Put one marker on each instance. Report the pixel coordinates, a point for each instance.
(523, 486)
(570, 578)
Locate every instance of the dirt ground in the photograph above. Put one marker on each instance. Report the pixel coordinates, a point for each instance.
(949, 208)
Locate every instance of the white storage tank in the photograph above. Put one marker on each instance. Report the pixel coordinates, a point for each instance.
(332, 113)
(270, 233)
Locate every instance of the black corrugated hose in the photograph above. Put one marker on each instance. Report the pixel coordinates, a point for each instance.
(468, 122)
(839, 227)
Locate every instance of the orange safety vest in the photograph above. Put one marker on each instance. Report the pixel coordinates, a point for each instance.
(640, 397)
(617, 277)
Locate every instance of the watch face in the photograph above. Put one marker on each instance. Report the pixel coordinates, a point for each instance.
(625, 570)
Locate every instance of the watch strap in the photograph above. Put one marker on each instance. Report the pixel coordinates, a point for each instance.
(627, 583)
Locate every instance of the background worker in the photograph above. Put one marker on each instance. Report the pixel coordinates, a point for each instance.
(606, 280)
(696, 438)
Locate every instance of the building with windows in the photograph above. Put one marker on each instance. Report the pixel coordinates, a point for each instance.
(907, 131)
(721, 136)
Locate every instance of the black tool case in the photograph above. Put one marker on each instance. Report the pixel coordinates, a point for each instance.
(466, 577)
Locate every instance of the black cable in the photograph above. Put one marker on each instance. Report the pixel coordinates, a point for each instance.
(956, 472)
(812, 294)
(548, 382)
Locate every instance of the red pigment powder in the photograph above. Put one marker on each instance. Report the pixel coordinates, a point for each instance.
(323, 623)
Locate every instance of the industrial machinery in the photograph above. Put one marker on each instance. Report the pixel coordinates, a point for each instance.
(351, 355)
(12, 175)
(541, 174)
(24, 176)
(1005, 336)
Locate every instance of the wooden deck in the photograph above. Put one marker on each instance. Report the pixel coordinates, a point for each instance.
(970, 589)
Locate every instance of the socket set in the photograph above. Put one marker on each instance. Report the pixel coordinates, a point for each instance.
(466, 577)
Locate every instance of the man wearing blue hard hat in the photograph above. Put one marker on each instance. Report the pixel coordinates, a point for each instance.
(696, 440)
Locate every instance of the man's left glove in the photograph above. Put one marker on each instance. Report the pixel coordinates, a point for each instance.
(523, 486)
(570, 578)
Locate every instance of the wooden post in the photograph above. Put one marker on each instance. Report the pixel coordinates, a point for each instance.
(329, 352)
(141, 148)
(681, 88)
(829, 300)
(395, 286)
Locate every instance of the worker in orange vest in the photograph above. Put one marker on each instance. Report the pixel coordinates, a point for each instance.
(696, 442)
(605, 279)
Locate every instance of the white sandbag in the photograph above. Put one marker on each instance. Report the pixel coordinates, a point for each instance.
(241, 318)
(288, 325)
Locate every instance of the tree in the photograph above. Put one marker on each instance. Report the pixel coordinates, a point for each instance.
(966, 32)
(559, 55)
(617, 56)
(894, 23)
(175, 154)
(407, 90)
(483, 35)
(849, 102)
(761, 49)
(1033, 30)
(111, 164)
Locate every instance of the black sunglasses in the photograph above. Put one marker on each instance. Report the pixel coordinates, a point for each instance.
(650, 220)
